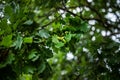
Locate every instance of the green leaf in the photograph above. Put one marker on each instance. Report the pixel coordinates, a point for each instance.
(84, 27)
(10, 58)
(3, 24)
(55, 39)
(8, 10)
(1, 32)
(25, 77)
(41, 68)
(15, 25)
(7, 41)
(68, 37)
(35, 58)
(18, 42)
(56, 26)
(8, 29)
(59, 45)
(29, 69)
(28, 40)
(33, 55)
(28, 22)
(44, 34)
(83, 62)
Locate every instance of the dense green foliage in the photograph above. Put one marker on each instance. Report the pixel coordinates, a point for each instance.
(59, 40)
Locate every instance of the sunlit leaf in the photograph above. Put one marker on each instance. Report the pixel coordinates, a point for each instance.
(44, 34)
(59, 45)
(28, 40)
(28, 22)
(33, 55)
(18, 42)
(7, 41)
(25, 77)
(55, 39)
(68, 37)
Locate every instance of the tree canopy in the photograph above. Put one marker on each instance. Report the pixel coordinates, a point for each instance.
(59, 39)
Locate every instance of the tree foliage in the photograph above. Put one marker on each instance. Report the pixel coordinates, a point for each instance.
(59, 39)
